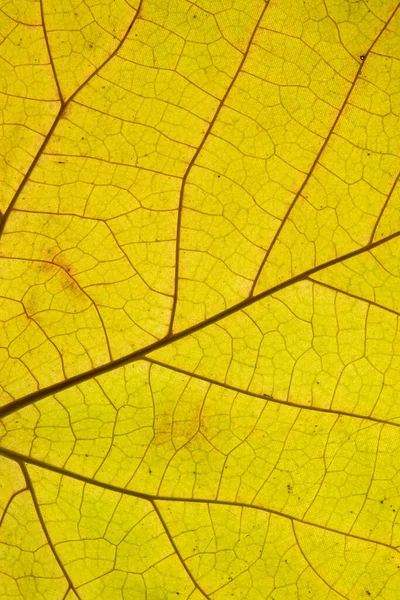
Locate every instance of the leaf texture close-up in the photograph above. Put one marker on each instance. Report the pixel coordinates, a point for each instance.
(199, 299)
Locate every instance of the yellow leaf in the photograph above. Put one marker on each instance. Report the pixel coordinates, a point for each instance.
(200, 295)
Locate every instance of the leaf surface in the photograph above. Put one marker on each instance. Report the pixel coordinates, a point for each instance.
(199, 280)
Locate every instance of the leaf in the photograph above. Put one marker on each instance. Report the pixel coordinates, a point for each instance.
(200, 276)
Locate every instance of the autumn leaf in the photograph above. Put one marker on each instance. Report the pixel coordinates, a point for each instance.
(200, 294)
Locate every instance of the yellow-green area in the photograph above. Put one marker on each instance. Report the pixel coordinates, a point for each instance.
(199, 300)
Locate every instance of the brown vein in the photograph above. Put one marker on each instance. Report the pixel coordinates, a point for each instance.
(31, 489)
(311, 567)
(267, 398)
(10, 501)
(318, 157)
(384, 207)
(176, 550)
(20, 458)
(15, 405)
(63, 107)
(193, 161)
(46, 39)
(350, 295)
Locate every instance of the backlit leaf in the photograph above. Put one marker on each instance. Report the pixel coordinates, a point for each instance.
(200, 295)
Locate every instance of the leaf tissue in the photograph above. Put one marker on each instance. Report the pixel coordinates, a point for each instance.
(200, 299)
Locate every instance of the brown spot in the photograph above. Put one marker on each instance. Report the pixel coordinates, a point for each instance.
(65, 264)
(161, 438)
(49, 267)
(162, 429)
(203, 422)
(66, 275)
